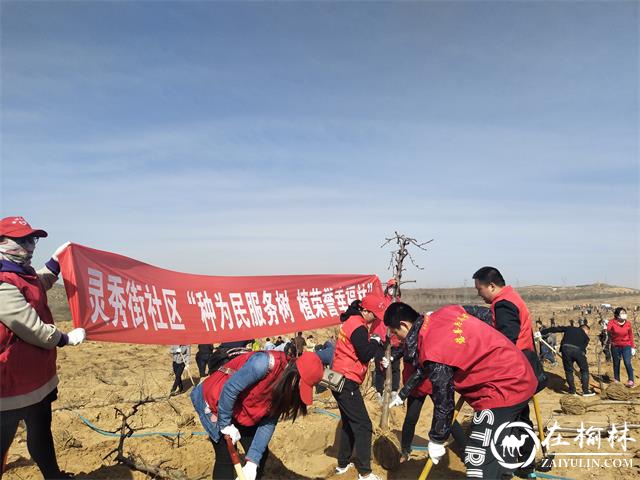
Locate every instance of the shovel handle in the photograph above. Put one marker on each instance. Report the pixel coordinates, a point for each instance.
(235, 458)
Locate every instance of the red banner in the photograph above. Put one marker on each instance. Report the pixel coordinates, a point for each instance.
(118, 299)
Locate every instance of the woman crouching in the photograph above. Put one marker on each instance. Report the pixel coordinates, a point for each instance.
(246, 397)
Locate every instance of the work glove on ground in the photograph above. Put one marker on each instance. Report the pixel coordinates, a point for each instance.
(436, 451)
(76, 336)
(633, 352)
(59, 250)
(250, 471)
(232, 432)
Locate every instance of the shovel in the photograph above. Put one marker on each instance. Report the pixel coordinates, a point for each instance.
(235, 458)
(429, 465)
(547, 458)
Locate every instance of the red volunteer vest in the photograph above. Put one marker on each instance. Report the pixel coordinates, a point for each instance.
(423, 389)
(254, 403)
(345, 360)
(25, 367)
(525, 339)
(491, 372)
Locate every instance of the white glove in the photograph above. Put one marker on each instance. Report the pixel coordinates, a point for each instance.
(537, 335)
(250, 470)
(384, 362)
(376, 338)
(76, 336)
(233, 433)
(396, 401)
(59, 250)
(633, 352)
(436, 452)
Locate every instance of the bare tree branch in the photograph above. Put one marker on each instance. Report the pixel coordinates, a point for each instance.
(396, 265)
(136, 462)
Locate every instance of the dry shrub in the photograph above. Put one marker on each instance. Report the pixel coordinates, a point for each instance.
(617, 391)
(572, 405)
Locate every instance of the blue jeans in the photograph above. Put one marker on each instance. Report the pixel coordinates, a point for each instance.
(199, 404)
(625, 353)
(546, 354)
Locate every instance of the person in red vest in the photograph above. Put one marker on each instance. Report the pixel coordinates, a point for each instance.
(461, 353)
(510, 314)
(416, 388)
(246, 397)
(28, 341)
(622, 344)
(355, 347)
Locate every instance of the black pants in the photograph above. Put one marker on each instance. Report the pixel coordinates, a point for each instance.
(572, 354)
(380, 374)
(414, 407)
(178, 368)
(37, 419)
(202, 360)
(356, 428)
(606, 345)
(223, 466)
(513, 445)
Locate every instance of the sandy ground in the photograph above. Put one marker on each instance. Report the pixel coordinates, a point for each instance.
(95, 378)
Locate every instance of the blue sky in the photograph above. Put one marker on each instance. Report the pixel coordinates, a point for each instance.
(271, 138)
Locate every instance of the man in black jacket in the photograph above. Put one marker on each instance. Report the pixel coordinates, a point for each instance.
(574, 349)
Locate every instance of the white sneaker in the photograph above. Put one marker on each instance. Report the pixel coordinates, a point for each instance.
(342, 470)
(371, 476)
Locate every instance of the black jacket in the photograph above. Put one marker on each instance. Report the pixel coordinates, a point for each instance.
(575, 336)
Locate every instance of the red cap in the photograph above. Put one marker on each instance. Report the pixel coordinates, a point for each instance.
(311, 370)
(375, 304)
(17, 227)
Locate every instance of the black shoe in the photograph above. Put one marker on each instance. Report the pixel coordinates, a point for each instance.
(589, 393)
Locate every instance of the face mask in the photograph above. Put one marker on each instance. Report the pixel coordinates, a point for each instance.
(20, 251)
(623, 316)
